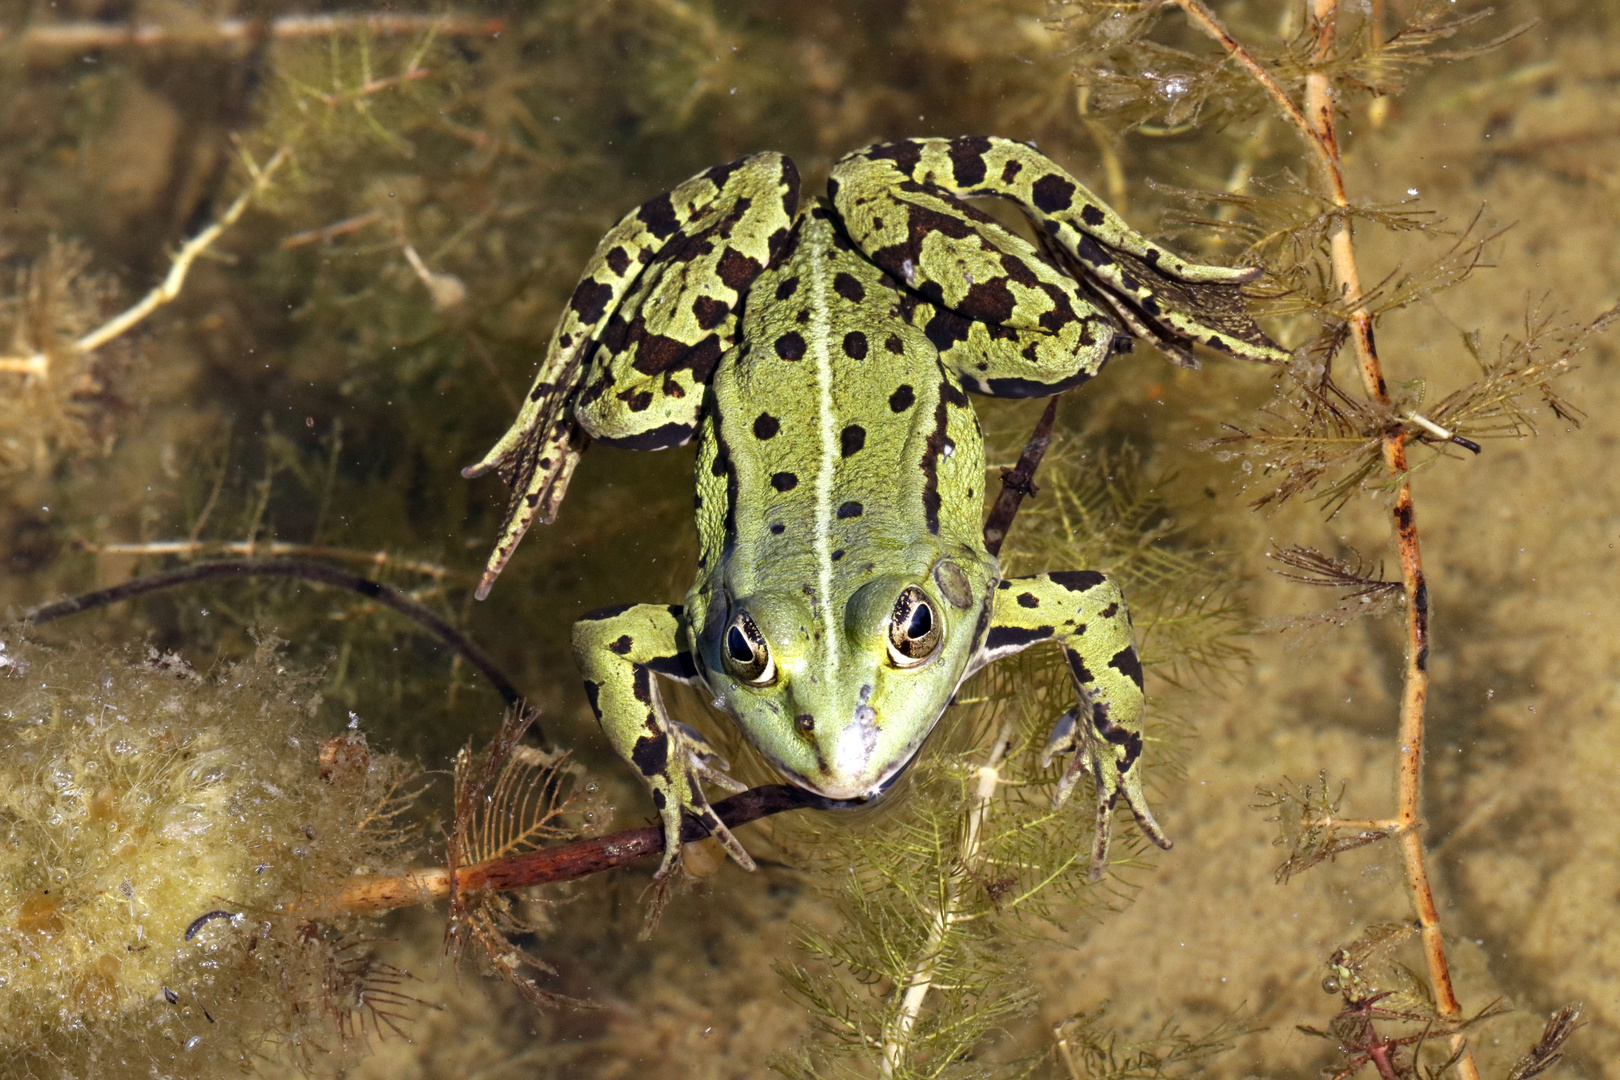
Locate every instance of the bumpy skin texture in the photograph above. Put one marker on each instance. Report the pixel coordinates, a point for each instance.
(844, 591)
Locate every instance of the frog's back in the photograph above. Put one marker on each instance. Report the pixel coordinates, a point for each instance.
(835, 431)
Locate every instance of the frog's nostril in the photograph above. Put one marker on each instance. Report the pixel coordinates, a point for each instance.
(866, 716)
(805, 722)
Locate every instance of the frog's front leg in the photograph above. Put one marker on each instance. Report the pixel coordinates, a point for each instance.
(619, 651)
(1084, 612)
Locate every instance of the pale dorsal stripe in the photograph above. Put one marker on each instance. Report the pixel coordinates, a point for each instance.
(820, 333)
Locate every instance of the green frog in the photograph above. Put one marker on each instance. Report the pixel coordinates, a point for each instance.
(822, 360)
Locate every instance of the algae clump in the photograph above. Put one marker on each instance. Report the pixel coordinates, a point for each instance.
(165, 842)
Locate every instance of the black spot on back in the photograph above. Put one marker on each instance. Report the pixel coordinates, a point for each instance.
(1015, 637)
(851, 509)
(785, 287)
(1091, 215)
(855, 345)
(852, 439)
(1076, 580)
(618, 261)
(903, 398)
(894, 344)
(905, 154)
(1010, 171)
(846, 286)
(790, 346)
(778, 528)
(766, 426)
(784, 481)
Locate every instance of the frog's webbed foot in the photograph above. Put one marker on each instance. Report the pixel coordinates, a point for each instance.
(679, 792)
(1095, 756)
(623, 652)
(1084, 612)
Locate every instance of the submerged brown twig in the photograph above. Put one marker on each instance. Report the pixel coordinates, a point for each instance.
(1019, 481)
(304, 569)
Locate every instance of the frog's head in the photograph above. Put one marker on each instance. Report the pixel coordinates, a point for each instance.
(840, 701)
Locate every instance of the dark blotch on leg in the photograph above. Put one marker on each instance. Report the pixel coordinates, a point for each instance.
(1076, 580)
(1126, 663)
(651, 754)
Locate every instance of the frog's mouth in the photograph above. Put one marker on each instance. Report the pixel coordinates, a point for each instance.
(875, 791)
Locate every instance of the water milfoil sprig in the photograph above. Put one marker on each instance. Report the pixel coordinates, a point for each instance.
(1321, 438)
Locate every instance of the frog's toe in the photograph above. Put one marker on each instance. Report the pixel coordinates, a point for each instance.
(1062, 740)
(1069, 737)
(706, 762)
(717, 829)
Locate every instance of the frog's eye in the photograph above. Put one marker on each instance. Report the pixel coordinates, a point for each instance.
(914, 630)
(747, 656)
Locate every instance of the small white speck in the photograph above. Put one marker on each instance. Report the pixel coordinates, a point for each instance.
(1412, 191)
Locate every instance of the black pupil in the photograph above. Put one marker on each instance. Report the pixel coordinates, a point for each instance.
(737, 644)
(922, 621)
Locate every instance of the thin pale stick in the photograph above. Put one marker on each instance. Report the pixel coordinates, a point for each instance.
(897, 1038)
(170, 287)
(1318, 123)
(75, 36)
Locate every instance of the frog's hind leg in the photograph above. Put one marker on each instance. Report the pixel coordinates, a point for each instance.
(1011, 322)
(620, 652)
(640, 337)
(1084, 612)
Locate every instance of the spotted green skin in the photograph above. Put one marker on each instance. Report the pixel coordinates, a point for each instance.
(821, 359)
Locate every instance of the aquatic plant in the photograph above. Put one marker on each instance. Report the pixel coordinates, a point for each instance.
(1324, 441)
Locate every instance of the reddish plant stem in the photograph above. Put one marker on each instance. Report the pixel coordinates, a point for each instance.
(1317, 122)
(561, 862)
